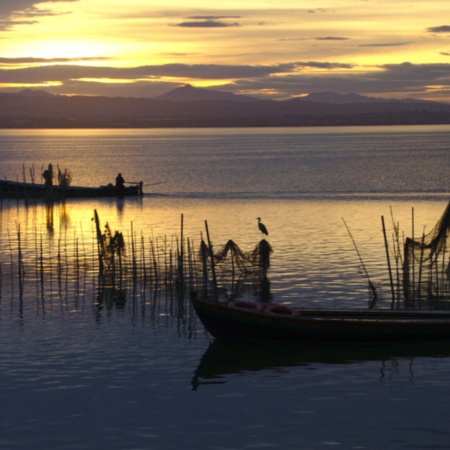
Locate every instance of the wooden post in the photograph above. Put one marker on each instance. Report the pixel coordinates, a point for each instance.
(181, 256)
(389, 263)
(413, 256)
(99, 241)
(213, 268)
(419, 284)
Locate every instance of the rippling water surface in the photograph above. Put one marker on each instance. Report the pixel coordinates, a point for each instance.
(81, 369)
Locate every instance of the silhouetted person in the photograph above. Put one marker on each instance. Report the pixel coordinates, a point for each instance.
(120, 182)
(48, 176)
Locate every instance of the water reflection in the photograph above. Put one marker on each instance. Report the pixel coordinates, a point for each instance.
(109, 297)
(313, 264)
(229, 357)
(50, 217)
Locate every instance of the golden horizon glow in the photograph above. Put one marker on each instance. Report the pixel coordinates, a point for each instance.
(337, 42)
(29, 85)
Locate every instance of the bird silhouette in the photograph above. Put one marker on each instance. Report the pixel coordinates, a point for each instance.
(262, 227)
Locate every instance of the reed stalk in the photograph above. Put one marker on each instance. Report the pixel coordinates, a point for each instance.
(213, 268)
(155, 262)
(20, 261)
(389, 263)
(181, 255)
(133, 254)
(12, 262)
(143, 267)
(172, 258)
(419, 284)
(413, 263)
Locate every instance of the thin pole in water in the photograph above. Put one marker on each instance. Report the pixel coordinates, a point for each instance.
(371, 285)
(386, 244)
(211, 255)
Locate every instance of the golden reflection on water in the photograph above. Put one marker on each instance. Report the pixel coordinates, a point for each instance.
(314, 260)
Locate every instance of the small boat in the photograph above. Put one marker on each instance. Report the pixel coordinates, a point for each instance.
(16, 189)
(254, 320)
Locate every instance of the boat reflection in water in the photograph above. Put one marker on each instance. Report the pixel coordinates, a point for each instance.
(224, 358)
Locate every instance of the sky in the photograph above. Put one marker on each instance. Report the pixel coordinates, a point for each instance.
(269, 49)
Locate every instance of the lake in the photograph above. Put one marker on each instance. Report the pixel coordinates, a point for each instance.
(84, 367)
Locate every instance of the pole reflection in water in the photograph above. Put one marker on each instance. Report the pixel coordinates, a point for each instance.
(50, 219)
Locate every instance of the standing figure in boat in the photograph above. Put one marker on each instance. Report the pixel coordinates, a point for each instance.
(48, 176)
(120, 182)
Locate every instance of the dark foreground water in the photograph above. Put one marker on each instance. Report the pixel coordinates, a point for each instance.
(83, 368)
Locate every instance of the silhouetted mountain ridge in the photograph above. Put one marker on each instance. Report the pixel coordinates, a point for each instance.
(197, 107)
(34, 93)
(332, 97)
(189, 93)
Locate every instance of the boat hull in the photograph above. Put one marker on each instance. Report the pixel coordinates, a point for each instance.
(223, 321)
(14, 189)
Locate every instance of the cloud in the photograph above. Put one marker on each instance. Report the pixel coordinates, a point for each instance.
(282, 81)
(404, 80)
(9, 6)
(317, 10)
(386, 44)
(418, 73)
(206, 22)
(331, 38)
(24, 12)
(326, 65)
(7, 24)
(319, 38)
(136, 89)
(31, 60)
(64, 73)
(441, 29)
(293, 39)
(212, 17)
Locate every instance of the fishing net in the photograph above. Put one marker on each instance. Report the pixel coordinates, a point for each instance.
(257, 260)
(427, 267)
(238, 273)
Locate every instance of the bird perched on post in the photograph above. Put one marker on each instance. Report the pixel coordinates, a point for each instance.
(262, 227)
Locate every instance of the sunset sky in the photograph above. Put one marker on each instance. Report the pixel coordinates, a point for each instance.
(265, 48)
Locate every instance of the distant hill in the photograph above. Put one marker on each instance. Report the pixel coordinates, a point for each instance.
(34, 93)
(196, 107)
(332, 97)
(189, 93)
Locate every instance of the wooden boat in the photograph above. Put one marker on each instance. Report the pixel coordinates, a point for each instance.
(241, 319)
(16, 189)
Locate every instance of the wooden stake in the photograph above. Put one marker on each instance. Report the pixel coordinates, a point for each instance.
(213, 269)
(389, 263)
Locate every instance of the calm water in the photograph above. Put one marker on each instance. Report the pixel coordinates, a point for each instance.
(76, 373)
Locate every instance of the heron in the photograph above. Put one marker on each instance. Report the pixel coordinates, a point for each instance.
(262, 227)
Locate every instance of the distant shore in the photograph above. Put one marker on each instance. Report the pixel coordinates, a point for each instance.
(217, 122)
(189, 107)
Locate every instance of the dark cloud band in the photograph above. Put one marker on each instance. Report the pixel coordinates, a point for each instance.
(441, 29)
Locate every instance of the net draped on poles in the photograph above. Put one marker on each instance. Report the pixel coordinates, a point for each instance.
(427, 266)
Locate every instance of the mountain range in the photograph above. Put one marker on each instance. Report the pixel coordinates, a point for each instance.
(188, 106)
